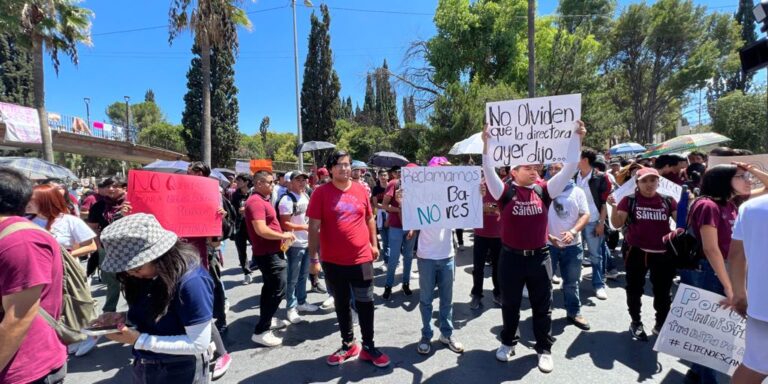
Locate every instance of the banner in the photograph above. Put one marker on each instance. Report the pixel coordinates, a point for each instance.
(243, 167)
(22, 124)
(260, 165)
(185, 205)
(534, 131)
(699, 330)
(441, 197)
(758, 161)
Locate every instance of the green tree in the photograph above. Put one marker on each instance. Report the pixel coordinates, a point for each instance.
(250, 147)
(409, 116)
(54, 25)
(386, 100)
(746, 19)
(263, 130)
(594, 16)
(360, 141)
(280, 146)
(214, 25)
(16, 82)
(742, 118)
(163, 135)
(369, 113)
(412, 141)
(149, 96)
(143, 115)
(320, 87)
(728, 75)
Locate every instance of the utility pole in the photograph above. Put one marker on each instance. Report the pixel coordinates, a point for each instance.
(300, 139)
(87, 101)
(531, 49)
(127, 116)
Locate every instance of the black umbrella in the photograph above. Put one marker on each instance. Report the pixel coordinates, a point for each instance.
(387, 159)
(226, 172)
(311, 146)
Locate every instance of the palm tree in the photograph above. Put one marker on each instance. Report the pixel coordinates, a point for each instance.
(211, 22)
(57, 26)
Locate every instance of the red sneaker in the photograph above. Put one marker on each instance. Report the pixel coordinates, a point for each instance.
(375, 356)
(342, 355)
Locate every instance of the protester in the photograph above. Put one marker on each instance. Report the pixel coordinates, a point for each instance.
(525, 260)
(170, 301)
(266, 239)
(342, 233)
(292, 208)
(487, 245)
(31, 280)
(749, 287)
(711, 219)
(696, 157)
(244, 183)
(671, 167)
(568, 215)
(401, 242)
(646, 215)
(377, 198)
(358, 170)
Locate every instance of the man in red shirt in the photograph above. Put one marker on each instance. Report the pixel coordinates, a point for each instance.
(31, 278)
(267, 239)
(342, 227)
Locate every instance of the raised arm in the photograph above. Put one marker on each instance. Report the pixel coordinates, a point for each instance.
(557, 183)
(492, 180)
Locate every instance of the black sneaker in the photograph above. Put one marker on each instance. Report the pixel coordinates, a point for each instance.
(407, 290)
(476, 303)
(579, 321)
(637, 331)
(497, 300)
(657, 329)
(387, 293)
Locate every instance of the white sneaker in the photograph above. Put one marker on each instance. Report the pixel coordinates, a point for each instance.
(327, 304)
(306, 307)
(505, 353)
(612, 274)
(355, 318)
(267, 339)
(383, 267)
(525, 291)
(293, 316)
(86, 345)
(278, 323)
(546, 364)
(556, 280)
(247, 279)
(226, 305)
(601, 294)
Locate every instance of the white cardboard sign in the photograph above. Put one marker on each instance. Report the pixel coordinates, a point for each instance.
(534, 131)
(666, 187)
(243, 167)
(441, 197)
(22, 124)
(699, 330)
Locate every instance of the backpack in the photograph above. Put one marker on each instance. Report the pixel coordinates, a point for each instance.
(684, 247)
(510, 191)
(293, 199)
(599, 183)
(229, 224)
(78, 309)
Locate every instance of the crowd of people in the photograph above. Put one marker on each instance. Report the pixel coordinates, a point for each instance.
(540, 225)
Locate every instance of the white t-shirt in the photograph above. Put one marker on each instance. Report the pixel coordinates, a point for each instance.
(583, 183)
(68, 230)
(564, 212)
(435, 244)
(750, 228)
(286, 208)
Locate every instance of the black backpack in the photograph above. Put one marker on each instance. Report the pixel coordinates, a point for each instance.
(293, 199)
(510, 191)
(685, 248)
(229, 225)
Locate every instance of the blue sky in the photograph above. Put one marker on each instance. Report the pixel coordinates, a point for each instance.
(131, 54)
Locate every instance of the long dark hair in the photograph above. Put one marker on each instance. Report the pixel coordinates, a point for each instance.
(171, 267)
(716, 183)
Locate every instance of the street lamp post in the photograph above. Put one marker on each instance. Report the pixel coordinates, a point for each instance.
(87, 101)
(300, 139)
(127, 116)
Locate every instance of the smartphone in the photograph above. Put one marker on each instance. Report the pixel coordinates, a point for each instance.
(100, 330)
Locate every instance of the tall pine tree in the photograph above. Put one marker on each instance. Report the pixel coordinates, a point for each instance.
(320, 88)
(386, 101)
(369, 114)
(16, 83)
(409, 110)
(746, 19)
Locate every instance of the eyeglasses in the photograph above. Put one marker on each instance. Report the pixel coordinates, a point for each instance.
(745, 176)
(344, 165)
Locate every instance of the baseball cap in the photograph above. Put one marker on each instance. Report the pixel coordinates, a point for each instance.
(294, 174)
(646, 172)
(322, 172)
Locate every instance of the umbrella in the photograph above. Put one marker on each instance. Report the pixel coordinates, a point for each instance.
(472, 145)
(359, 164)
(311, 146)
(226, 172)
(624, 148)
(685, 143)
(37, 169)
(180, 167)
(387, 159)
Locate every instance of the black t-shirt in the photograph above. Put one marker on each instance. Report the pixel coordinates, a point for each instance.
(96, 214)
(378, 192)
(238, 200)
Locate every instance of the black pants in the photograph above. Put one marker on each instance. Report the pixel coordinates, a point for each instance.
(535, 272)
(241, 243)
(219, 296)
(342, 280)
(274, 273)
(637, 263)
(485, 246)
(93, 264)
(459, 236)
(172, 369)
(54, 377)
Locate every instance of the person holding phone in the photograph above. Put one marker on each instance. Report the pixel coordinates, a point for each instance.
(170, 301)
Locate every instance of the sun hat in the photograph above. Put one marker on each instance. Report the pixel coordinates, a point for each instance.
(646, 172)
(133, 241)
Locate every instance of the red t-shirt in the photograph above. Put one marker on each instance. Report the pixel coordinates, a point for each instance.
(393, 218)
(524, 219)
(343, 215)
(490, 221)
(260, 208)
(651, 221)
(30, 258)
(707, 212)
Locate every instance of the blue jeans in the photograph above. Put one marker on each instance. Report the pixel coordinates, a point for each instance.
(595, 246)
(440, 274)
(703, 278)
(610, 264)
(384, 232)
(298, 273)
(398, 245)
(569, 261)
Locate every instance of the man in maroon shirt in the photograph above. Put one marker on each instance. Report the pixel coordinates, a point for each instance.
(267, 238)
(524, 259)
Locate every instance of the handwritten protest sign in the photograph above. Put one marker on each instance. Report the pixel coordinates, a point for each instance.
(534, 131)
(441, 197)
(22, 124)
(185, 205)
(666, 187)
(758, 161)
(243, 167)
(699, 330)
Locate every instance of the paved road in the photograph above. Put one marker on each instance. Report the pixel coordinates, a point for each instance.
(606, 354)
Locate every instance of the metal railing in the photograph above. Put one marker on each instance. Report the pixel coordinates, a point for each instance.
(71, 124)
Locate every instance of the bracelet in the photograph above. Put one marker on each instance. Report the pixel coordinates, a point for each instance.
(315, 261)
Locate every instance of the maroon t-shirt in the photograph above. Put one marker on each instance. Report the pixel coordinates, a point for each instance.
(651, 221)
(393, 218)
(490, 221)
(30, 258)
(260, 208)
(524, 219)
(675, 178)
(707, 212)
